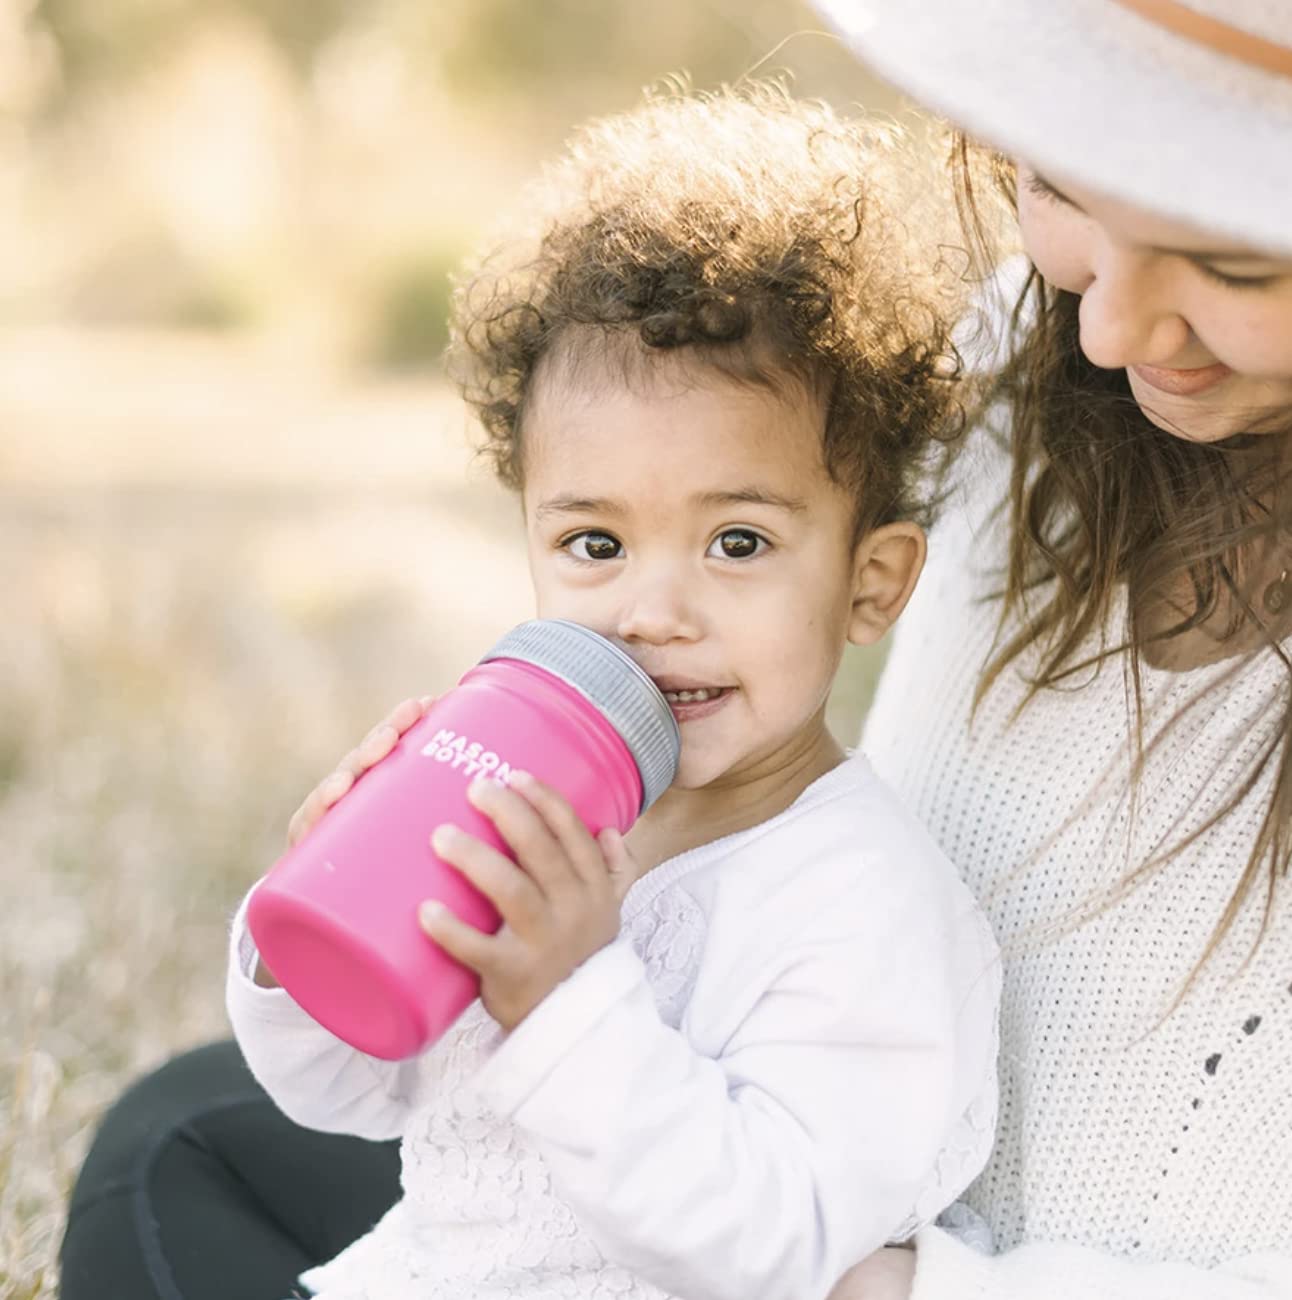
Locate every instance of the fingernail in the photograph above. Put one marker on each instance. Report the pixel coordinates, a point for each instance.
(337, 783)
(520, 779)
(430, 911)
(442, 838)
(480, 789)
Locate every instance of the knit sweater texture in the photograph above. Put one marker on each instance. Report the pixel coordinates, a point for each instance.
(1144, 1149)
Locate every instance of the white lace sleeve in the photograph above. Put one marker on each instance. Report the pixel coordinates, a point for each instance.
(313, 1077)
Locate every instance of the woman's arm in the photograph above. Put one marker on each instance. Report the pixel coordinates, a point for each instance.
(942, 1268)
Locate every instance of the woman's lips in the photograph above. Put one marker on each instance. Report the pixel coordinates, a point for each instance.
(1182, 383)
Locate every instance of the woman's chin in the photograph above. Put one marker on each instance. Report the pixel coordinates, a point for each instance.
(1186, 420)
(1193, 419)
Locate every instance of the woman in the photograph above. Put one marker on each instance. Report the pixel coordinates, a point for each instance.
(1145, 1141)
(1107, 755)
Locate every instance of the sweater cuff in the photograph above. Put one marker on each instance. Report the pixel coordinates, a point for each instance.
(245, 1000)
(947, 1269)
(523, 1060)
(243, 956)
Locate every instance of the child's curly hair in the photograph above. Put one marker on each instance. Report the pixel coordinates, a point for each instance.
(765, 235)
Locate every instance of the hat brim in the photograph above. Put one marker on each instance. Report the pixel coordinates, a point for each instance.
(1097, 95)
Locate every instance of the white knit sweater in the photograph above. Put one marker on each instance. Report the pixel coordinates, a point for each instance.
(1140, 1154)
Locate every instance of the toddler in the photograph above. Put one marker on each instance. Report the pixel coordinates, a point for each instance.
(733, 1052)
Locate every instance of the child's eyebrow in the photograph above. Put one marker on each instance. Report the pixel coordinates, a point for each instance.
(756, 496)
(568, 504)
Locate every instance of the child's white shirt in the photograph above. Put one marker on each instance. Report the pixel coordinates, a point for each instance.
(785, 1060)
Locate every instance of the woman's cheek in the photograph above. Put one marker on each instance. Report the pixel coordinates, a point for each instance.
(1054, 242)
(1256, 344)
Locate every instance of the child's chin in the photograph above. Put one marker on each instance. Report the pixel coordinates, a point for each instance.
(691, 779)
(695, 771)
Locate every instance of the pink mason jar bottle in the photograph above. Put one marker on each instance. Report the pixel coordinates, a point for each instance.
(335, 919)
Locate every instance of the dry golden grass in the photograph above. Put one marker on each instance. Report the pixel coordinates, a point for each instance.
(218, 569)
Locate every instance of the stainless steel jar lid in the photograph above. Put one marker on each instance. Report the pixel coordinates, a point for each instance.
(599, 670)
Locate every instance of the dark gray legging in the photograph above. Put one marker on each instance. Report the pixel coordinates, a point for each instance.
(198, 1188)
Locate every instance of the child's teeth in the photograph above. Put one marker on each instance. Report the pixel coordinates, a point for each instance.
(689, 697)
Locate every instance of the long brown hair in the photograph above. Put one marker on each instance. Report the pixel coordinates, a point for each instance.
(1101, 501)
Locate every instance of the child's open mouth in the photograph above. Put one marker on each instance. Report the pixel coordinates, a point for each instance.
(697, 702)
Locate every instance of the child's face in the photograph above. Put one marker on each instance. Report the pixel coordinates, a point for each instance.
(693, 519)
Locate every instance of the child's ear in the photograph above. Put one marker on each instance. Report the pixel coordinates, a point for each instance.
(886, 567)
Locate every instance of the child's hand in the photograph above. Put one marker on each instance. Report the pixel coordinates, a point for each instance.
(368, 752)
(558, 907)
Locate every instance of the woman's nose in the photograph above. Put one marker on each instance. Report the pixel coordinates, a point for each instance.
(1128, 316)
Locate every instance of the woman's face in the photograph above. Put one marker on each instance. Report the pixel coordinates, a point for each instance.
(1201, 325)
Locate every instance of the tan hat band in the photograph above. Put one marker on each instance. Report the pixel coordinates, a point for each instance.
(1216, 35)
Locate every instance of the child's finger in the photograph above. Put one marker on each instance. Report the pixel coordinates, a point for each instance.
(563, 824)
(408, 713)
(317, 802)
(384, 736)
(497, 877)
(461, 941)
(620, 863)
(367, 753)
(375, 746)
(521, 825)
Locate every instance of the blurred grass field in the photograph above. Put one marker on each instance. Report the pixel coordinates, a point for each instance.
(219, 566)
(238, 514)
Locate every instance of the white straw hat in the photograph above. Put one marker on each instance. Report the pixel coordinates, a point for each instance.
(1180, 107)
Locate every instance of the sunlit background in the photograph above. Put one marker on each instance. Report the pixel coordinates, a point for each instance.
(238, 514)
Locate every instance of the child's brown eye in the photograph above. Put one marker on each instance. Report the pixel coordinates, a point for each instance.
(736, 544)
(594, 546)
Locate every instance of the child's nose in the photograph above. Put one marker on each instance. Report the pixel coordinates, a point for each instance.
(659, 611)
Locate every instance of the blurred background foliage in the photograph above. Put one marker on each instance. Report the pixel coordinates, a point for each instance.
(220, 164)
(238, 515)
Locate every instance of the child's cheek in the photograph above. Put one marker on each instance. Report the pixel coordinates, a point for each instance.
(579, 605)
